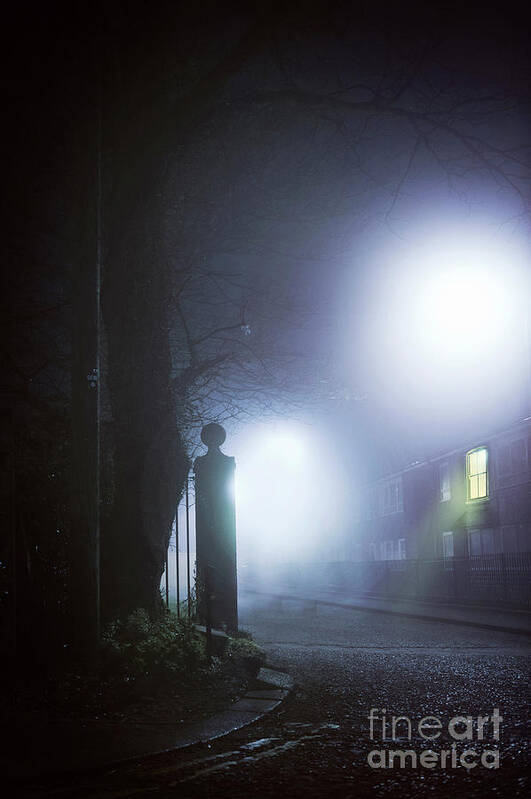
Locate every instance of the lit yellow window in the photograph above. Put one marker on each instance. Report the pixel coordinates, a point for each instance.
(476, 474)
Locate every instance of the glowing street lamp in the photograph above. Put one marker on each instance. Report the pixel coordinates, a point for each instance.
(454, 320)
(466, 302)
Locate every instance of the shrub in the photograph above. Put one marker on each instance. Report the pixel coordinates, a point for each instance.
(164, 649)
(246, 655)
(244, 634)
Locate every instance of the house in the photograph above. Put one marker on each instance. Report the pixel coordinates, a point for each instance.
(473, 501)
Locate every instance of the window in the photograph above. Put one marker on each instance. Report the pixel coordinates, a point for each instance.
(504, 459)
(390, 550)
(391, 496)
(518, 456)
(487, 542)
(448, 545)
(401, 549)
(372, 503)
(476, 474)
(448, 550)
(512, 458)
(481, 542)
(445, 492)
(474, 542)
(372, 551)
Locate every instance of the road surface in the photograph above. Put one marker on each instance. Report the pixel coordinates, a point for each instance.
(318, 744)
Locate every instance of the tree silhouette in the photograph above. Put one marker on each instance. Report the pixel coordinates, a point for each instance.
(240, 151)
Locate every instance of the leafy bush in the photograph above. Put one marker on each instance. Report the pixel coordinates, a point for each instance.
(164, 649)
(244, 634)
(148, 670)
(245, 654)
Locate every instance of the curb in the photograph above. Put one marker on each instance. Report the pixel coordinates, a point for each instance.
(254, 704)
(352, 605)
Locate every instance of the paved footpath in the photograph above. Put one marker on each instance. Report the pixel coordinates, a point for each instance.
(316, 744)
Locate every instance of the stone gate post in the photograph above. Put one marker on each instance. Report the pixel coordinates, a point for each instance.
(216, 533)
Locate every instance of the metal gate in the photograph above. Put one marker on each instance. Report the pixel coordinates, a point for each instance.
(178, 579)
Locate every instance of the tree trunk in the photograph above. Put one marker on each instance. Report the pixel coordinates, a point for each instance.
(150, 461)
(85, 504)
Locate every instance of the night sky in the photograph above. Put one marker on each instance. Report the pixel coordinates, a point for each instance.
(305, 202)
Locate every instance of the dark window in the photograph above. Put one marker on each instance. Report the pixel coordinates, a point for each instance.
(445, 492)
(504, 459)
(487, 542)
(448, 545)
(474, 542)
(391, 497)
(518, 456)
(512, 458)
(482, 542)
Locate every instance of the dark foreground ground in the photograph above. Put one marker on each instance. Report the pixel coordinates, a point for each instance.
(345, 663)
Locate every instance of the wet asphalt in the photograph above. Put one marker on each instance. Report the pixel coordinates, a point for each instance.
(318, 743)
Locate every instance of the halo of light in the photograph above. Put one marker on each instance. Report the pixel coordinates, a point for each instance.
(287, 499)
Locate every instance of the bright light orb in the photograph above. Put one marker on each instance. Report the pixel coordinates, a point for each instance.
(462, 311)
(458, 301)
(287, 446)
(446, 331)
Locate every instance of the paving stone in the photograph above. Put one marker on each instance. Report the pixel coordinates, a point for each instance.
(248, 705)
(277, 678)
(273, 693)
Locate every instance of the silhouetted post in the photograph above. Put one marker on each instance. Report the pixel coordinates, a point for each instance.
(208, 611)
(188, 575)
(177, 581)
(167, 579)
(216, 532)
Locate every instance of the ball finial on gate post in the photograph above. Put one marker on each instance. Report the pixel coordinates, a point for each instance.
(213, 435)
